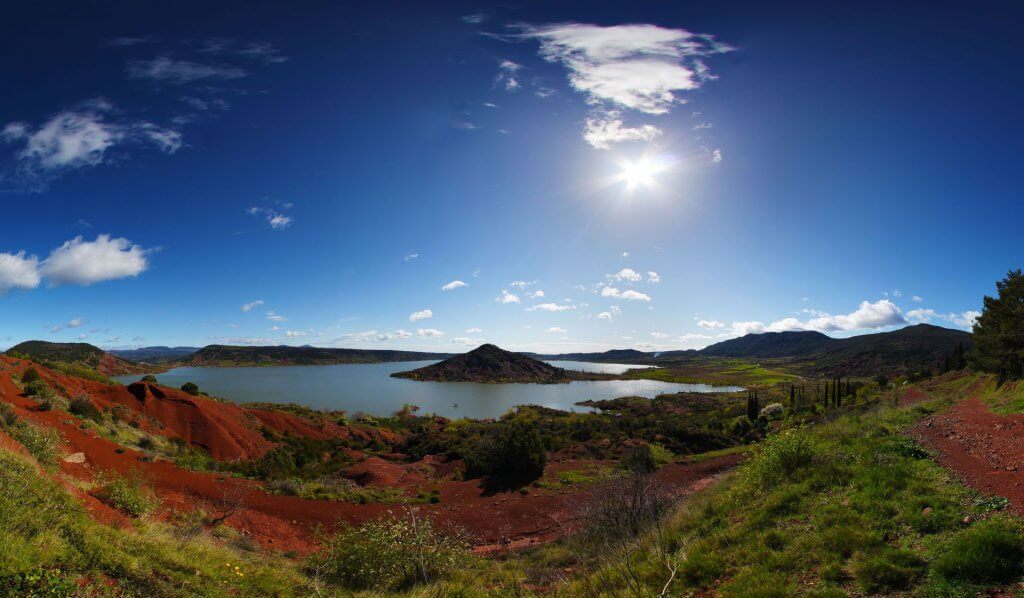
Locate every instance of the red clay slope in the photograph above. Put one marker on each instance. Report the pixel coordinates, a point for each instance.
(493, 521)
(226, 430)
(985, 449)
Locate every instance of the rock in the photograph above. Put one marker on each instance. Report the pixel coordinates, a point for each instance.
(75, 458)
(926, 511)
(967, 520)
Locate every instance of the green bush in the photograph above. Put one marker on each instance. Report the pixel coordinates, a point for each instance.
(128, 493)
(191, 388)
(389, 554)
(780, 457)
(149, 379)
(513, 451)
(84, 408)
(990, 552)
(29, 376)
(7, 416)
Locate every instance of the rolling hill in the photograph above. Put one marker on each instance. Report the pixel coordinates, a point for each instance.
(76, 355)
(154, 355)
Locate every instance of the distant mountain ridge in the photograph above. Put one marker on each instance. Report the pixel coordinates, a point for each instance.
(913, 348)
(232, 356)
(154, 354)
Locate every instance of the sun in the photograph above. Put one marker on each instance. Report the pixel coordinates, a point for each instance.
(640, 173)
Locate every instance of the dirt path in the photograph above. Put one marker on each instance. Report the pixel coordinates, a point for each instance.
(985, 449)
(286, 523)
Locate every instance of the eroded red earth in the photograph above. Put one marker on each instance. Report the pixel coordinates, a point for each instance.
(493, 521)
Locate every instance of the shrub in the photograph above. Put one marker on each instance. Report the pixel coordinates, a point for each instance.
(7, 416)
(149, 379)
(388, 554)
(83, 408)
(128, 493)
(191, 388)
(514, 451)
(42, 443)
(990, 552)
(780, 457)
(29, 376)
(646, 458)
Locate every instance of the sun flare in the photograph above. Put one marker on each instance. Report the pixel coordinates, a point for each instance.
(640, 173)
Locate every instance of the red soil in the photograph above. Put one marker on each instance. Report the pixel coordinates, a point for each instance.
(985, 449)
(285, 523)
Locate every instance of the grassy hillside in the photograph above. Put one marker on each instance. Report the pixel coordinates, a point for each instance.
(76, 359)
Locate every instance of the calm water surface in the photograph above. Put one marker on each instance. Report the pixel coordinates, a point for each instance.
(370, 388)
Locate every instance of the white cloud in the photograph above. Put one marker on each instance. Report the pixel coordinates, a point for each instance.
(18, 271)
(248, 306)
(507, 297)
(603, 132)
(629, 294)
(536, 294)
(451, 286)
(551, 307)
(294, 333)
(917, 299)
(411, 256)
(710, 324)
(428, 332)
(522, 284)
(508, 75)
(275, 317)
(635, 295)
(716, 156)
(80, 138)
(626, 274)
(653, 277)
(73, 323)
(464, 340)
(557, 329)
(87, 262)
(274, 219)
(879, 314)
(638, 67)
(921, 315)
(169, 70)
(604, 316)
(659, 335)
(473, 330)
(615, 310)
(897, 293)
(423, 314)
(965, 319)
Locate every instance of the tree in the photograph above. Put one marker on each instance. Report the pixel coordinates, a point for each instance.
(515, 451)
(999, 331)
(191, 388)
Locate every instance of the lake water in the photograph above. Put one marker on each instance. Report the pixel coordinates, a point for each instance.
(369, 388)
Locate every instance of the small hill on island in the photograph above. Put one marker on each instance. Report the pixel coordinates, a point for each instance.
(493, 365)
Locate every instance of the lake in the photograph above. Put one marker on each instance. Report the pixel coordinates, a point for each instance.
(369, 388)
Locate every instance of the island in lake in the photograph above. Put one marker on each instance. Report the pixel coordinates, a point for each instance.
(490, 364)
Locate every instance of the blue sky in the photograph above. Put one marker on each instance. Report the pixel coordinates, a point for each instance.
(545, 176)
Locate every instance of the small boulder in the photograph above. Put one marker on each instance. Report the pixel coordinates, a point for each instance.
(75, 458)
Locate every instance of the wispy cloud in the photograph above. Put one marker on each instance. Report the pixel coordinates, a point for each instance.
(508, 75)
(169, 70)
(640, 68)
(79, 138)
(507, 297)
(552, 307)
(248, 306)
(274, 219)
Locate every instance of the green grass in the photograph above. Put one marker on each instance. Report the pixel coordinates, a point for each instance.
(49, 544)
(1004, 399)
(715, 371)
